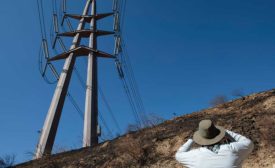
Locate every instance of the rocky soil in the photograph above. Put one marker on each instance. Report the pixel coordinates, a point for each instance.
(252, 116)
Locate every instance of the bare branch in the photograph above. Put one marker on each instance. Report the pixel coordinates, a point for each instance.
(7, 161)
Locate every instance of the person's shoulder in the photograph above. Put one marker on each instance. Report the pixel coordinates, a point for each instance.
(198, 150)
(227, 147)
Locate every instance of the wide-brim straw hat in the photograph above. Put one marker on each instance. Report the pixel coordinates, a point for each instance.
(208, 133)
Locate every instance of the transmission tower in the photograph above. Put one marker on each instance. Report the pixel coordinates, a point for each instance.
(91, 128)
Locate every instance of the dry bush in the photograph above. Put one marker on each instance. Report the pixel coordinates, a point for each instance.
(132, 128)
(149, 120)
(7, 161)
(220, 99)
(238, 93)
(153, 120)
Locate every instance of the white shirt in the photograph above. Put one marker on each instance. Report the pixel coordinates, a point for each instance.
(229, 155)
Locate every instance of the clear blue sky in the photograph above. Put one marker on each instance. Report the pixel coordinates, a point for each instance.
(183, 52)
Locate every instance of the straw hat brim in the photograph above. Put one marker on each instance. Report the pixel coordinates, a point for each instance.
(204, 141)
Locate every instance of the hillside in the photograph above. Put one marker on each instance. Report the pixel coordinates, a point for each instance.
(252, 116)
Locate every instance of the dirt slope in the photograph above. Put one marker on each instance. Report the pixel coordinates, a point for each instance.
(253, 116)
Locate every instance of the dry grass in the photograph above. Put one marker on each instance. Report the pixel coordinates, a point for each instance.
(155, 147)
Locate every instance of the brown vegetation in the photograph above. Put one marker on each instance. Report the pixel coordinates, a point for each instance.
(155, 147)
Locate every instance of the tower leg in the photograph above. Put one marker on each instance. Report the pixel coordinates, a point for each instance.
(49, 130)
(52, 120)
(90, 133)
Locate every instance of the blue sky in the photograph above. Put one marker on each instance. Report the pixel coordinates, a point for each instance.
(183, 52)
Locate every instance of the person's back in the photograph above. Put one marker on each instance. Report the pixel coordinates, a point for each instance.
(218, 155)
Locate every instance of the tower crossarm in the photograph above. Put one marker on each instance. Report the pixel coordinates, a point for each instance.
(88, 18)
(86, 33)
(91, 126)
(81, 51)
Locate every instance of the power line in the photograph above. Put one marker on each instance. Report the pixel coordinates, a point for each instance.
(104, 123)
(117, 7)
(74, 103)
(128, 80)
(61, 92)
(123, 12)
(133, 83)
(41, 19)
(131, 102)
(54, 8)
(81, 114)
(80, 79)
(109, 109)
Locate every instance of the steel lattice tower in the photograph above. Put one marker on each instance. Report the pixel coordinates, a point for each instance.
(90, 132)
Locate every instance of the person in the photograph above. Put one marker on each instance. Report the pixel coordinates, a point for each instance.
(220, 148)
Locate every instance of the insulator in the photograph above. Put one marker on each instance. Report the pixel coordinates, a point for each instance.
(117, 45)
(54, 6)
(64, 6)
(116, 49)
(119, 69)
(116, 23)
(55, 23)
(45, 49)
(115, 5)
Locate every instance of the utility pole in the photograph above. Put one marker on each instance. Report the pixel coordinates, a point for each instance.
(49, 130)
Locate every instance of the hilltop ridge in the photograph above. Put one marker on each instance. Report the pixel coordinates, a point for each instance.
(252, 116)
